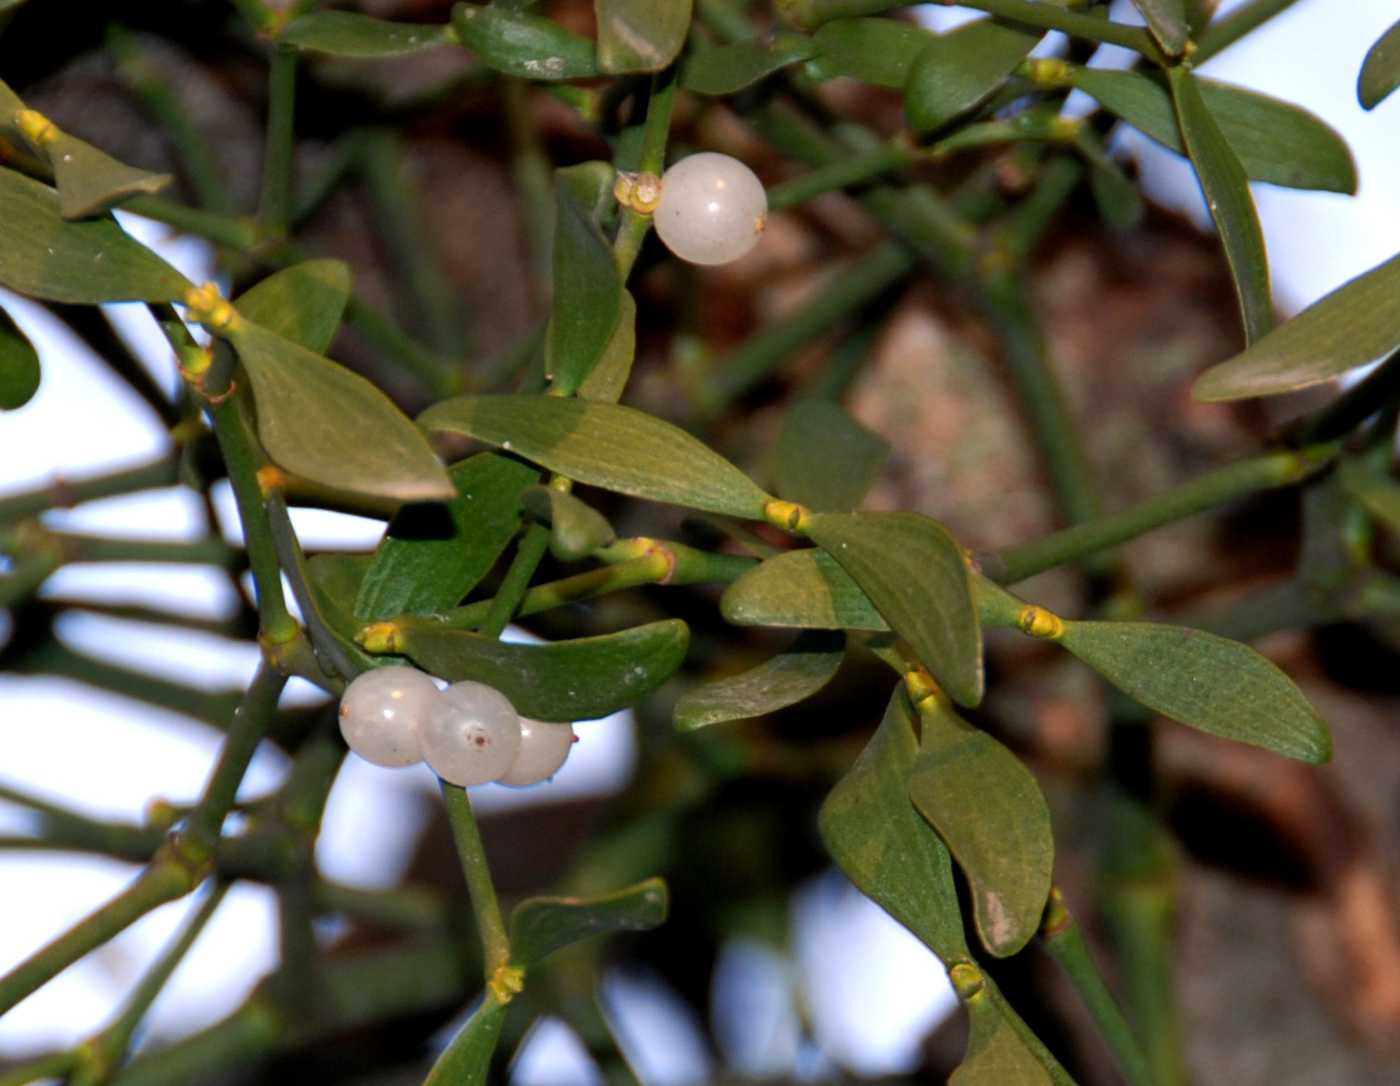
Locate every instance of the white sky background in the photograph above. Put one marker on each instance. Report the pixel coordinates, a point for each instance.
(871, 989)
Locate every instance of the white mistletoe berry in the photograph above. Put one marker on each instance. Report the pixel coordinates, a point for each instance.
(471, 734)
(381, 711)
(544, 747)
(712, 209)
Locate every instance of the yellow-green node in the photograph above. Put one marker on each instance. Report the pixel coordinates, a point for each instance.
(788, 516)
(37, 129)
(506, 983)
(1038, 622)
(966, 979)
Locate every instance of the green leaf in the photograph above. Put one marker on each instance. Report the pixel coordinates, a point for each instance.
(19, 365)
(560, 681)
(90, 181)
(959, 69)
(1357, 323)
(1226, 190)
(335, 582)
(1380, 71)
(915, 574)
(879, 51)
(434, 554)
(541, 925)
(990, 813)
(1276, 141)
(319, 420)
(786, 679)
(587, 295)
(996, 1054)
(827, 460)
(590, 184)
(303, 303)
(44, 256)
(804, 588)
(576, 529)
(1166, 19)
(347, 34)
(605, 445)
(466, 1061)
(607, 379)
(640, 35)
(884, 847)
(1204, 681)
(727, 69)
(521, 44)
(1377, 492)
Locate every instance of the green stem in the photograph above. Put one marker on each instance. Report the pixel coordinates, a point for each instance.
(50, 1065)
(275, 204)
(1064, 941)
(319, 187)
(847, 292)
(1223, 33)
(495, 943)
(632, 230)
(77, 547)
(439, 376)
(61, 494)
(235, 233)
(1234, 481)
(528, 555)
(324, 639)
(840, 174)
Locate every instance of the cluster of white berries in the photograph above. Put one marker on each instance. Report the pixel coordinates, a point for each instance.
(712, 209)
(468, 734)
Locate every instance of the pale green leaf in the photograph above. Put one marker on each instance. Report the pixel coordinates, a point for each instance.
(727, 69)
(561, 681)
(825, 459)
(576, 529)
(351, 35)
(587, 295)
(88, 262)
(1207, 682)
(1380, 71)
(1166, 19)
(605, 445)
(961, 68)
(915, 574)
(996, 1054)
(19, 365)
(541, 925)
(434, 554)
(990, 813)
(303, 303)
(521, 44)
(607, 379)
(640, 35)
(803, 588)
(1357, 323)
(879, 51)
(90, 181)
(790, 677)
(1226, 189)
(466, 1061)
(319, 420)
(891, 855)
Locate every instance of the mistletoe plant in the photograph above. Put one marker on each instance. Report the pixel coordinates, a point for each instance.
(936, 820)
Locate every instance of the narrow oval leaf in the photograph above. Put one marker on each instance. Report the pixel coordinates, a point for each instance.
(996, 1054)
(434, 554)
(727, 69)
(607, 379)
(827, 460)
(335, 582)
(466, 1061)
(1380, 71)
(1356, 324)
(587, 295)
(788, 678)
(351, 35)
(805, 588)
(1226, 190)
(1275, 141)
(518, 43)
(19, 365)
(44, 256)
(879, 51)
(1166, 19)
(576, 529)
(541, 925)
(90, 181)
(605, 445)
(320, 420)
(640, 35)
(915, 574)
(992, 816)
(884, 847)
(1204, 681)
(961, 68)
(303, 303)
(562, 681)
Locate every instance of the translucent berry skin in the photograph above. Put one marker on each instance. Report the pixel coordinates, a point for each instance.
(471, 734)
(712, 209)
(381, 712)
(543, 750)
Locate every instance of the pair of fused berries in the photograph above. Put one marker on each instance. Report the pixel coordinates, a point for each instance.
(468, 734)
